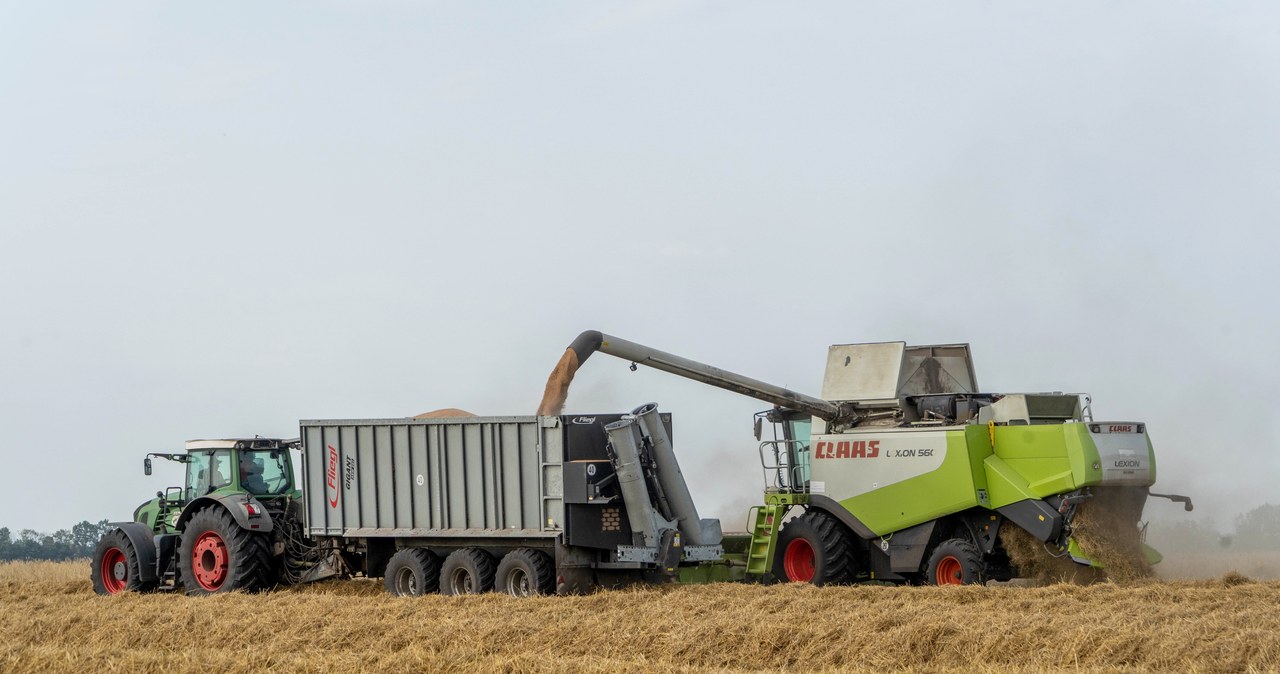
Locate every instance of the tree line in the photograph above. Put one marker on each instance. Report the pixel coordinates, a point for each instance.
(73, 543)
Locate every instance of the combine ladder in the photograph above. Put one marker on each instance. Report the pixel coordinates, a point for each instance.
(764, 538)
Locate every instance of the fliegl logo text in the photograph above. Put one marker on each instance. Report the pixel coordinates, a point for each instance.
(847, 449)
(331, 476)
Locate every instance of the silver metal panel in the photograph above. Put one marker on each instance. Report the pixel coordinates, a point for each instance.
(938, 368)
(863, 371)
(433, 477)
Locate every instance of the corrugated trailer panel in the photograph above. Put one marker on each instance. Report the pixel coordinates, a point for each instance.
(434, 477)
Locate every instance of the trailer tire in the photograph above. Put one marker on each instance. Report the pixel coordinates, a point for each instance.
(524, 573)
(814, 548)
(412, 572)
(116, 568)
(466, 571)
(216, 555)
(956, 562)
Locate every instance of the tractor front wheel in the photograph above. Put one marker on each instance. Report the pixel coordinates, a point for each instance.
(218, 556)
(115, 566)
(814, 548)
(956, 562)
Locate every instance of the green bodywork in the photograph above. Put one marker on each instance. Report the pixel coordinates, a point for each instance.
(161, 514)
(1027, 462)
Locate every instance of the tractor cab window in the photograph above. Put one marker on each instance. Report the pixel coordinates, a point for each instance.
(265, 472)
(207, 471)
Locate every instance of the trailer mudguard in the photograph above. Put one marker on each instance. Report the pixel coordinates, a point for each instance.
(236, 504)
(139, 536)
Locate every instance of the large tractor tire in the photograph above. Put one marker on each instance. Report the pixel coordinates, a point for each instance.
(216, 555)
(412, 572)
(524, 573)
(956, 562)
(466, 571)
(115, 566)
(814, 548)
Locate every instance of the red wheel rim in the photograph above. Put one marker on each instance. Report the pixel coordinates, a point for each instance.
(209, 561)
(797, 562)
(949, 571)
(114, 570)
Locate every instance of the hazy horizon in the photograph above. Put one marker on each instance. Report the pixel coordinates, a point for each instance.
(216, 220)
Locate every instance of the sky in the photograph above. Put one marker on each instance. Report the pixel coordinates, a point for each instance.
(217, 219)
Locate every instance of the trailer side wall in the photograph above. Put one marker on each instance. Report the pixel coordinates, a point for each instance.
(490, 476)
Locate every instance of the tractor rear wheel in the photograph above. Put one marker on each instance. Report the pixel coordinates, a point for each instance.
(956, 562)
(412, 572)
(814, 548)
(115, 566)
(466, 571)
(216, 555)
(524, 572)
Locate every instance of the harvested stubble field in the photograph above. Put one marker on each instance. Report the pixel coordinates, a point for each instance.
(51, 620)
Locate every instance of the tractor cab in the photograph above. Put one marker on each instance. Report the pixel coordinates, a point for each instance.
(260, 467)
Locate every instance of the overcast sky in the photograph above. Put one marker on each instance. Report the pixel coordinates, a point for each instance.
(219, 218)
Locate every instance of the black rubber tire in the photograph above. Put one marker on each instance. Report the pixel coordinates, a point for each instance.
(829, 547)
(959, 561)
(466, 571)
(412, 572)
(124, 573)
(249, 564)
(524, 573)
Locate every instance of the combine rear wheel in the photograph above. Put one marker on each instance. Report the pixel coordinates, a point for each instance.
(814, 548)
(412, 572)
(115, 566)
(218, 556)
(466, 571)
(956, 562)
(526, 572)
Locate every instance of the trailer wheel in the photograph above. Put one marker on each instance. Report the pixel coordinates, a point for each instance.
(412, 572)
(466, 571)
(115, 567)
(814, 548)
(216, 555)
(956, 562)
(524, 572)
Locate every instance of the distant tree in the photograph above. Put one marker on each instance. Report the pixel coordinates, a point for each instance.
(1259, 529)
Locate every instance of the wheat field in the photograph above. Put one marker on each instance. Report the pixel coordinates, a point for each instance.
(52, 621)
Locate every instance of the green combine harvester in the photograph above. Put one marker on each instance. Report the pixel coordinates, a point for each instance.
(903, 471)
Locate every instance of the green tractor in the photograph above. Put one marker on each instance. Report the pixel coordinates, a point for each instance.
(226, 529)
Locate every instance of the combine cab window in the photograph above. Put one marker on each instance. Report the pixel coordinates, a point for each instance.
(265, 472)
(207, 471)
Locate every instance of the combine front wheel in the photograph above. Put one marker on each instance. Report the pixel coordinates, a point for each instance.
(814, 548)
(956, 562)
(115, 566)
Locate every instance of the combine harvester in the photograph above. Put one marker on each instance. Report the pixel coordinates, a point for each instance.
(902, 472)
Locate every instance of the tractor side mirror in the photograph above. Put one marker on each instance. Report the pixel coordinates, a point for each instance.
(146, 465)
(758, 425)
